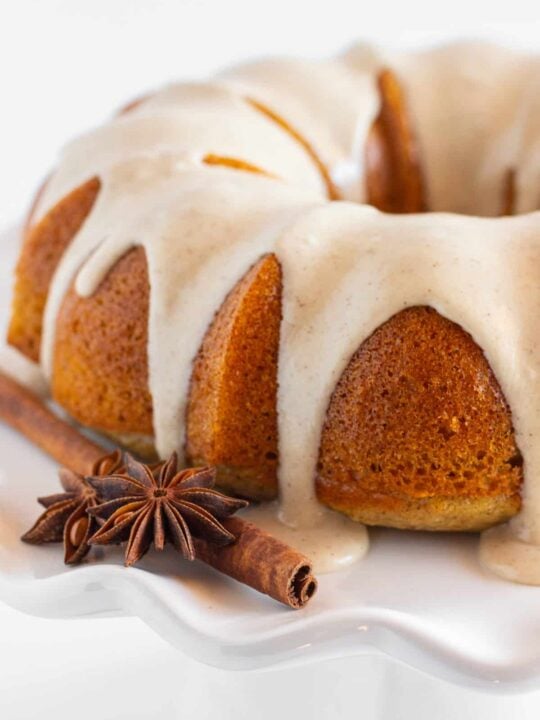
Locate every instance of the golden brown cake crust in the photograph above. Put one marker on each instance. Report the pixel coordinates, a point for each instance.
(394, 177)
(42, 249)
(100, 370)
(232, 417)
(418, 434)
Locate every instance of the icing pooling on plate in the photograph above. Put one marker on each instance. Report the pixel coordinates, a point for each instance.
(346, 267)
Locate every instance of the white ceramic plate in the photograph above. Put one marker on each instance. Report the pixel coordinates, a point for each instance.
(422, 599)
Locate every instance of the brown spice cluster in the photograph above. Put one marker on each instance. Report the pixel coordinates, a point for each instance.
(123, 500)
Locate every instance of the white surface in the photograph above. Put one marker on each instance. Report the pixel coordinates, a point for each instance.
(118, 669)
(67, 64)
(64, 65)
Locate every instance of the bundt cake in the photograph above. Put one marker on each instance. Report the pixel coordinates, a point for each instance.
(279, 273)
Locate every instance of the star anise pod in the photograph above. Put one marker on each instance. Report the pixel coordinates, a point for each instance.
(65, 517)
(144, 504)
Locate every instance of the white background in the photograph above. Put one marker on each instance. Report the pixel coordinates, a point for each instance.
(64, 66)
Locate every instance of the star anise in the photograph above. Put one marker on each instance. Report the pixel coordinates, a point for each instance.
(66, 518)
(142, 504)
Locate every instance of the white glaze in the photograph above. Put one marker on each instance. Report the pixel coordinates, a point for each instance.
(331, 543)
(503, 552)
(188, 121)
(346, 268)
(331, 103)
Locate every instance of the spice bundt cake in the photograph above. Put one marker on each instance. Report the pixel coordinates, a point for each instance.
(186, 283)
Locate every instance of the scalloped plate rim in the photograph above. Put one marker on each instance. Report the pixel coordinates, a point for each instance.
(415, 647)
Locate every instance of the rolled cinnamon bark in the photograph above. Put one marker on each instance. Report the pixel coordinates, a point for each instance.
(25, 412)
(256, 558)
(263, 562)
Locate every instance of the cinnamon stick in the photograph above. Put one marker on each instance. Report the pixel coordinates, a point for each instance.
(263, 562)
(25, 412)
(256, 558)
